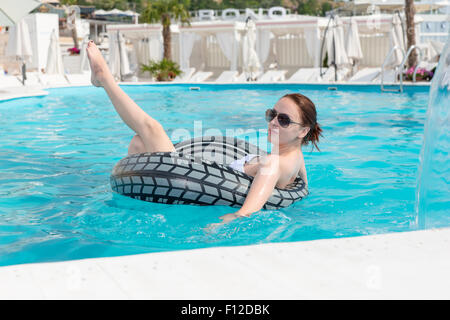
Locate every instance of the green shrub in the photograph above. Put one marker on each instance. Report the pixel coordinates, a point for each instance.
(164, 70)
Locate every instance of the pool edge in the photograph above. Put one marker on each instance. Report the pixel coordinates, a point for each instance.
(411, 265)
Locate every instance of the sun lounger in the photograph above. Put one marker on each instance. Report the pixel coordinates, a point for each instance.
(428, 65)
(306, 75)
(390, 76)
(330, 74)
(53, 80)
(185, 75)
(273, 76)
(33, 79)
(79, 79)
(228, 76)
(7, 81)
(200, 76)
(365, 75)
(241, 78)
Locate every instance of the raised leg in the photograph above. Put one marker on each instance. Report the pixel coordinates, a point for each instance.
(148, 129)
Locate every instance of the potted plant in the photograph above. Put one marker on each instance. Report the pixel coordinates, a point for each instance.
(74, 51)
(421, 75)
(164, 70)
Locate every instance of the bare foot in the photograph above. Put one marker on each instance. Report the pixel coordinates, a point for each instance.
(99, 68)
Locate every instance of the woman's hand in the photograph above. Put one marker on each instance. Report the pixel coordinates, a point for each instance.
(225, 219)
(262, 187)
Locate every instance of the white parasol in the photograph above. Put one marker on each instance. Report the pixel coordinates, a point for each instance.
(119, 63)
(352, 43)
(12, 12)
(251, 64)
(84, 64)
(335, 44)
(54, 57)
(19, 43)
(396, 40)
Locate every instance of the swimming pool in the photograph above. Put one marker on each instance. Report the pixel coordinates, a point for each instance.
(57, 153)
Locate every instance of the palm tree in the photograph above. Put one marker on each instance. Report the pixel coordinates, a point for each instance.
(164, 11)
(410, 31)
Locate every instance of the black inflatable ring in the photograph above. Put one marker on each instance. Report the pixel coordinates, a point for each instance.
(197, 173)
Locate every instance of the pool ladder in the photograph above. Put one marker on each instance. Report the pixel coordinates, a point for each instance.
(400, 68)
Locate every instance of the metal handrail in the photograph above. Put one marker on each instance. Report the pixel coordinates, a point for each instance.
(395, 68)
(402, 65)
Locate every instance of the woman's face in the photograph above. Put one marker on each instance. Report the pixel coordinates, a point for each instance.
(282, 136)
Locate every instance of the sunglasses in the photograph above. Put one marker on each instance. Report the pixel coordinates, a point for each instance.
(283, 118)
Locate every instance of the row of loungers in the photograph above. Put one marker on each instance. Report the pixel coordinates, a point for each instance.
(34, 79)
(302, 75)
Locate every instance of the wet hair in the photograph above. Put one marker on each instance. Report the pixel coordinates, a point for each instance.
(308, 116)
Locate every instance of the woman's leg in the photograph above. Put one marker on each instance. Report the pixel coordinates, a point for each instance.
(136, 145)
(150, 131)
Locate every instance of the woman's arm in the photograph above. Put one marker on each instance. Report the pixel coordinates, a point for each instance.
(262, 186)
(260, 191)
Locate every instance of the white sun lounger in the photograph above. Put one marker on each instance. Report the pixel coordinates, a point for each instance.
(7, 81)
(227, 76)
(365, 75)
(307, 75)
(330, 74)
(388, 77)
(53, 80)
(79, 79)
(273, 76)
(33, 79)
(200, 76)
(241, 78)
(186, 74)
(427, 65)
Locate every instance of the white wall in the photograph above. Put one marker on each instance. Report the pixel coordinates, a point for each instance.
(40, 26)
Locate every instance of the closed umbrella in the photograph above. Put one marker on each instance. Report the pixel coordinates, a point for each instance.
(396, 40)
(337, 56)
(19, 45)
(352, 43)
(119, 63)
(19, 42)
(12, 12)
(251, 64)
(84, 65)
(54, 57)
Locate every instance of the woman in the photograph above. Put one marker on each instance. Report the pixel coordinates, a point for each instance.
(292, 123)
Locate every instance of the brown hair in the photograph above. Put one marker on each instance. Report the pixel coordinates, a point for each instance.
(308, 116)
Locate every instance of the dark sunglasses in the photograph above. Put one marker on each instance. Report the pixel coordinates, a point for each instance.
(283, 118)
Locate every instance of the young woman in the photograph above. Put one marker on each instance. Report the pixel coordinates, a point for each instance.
(292, 124)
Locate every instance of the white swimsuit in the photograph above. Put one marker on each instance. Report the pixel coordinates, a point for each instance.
(239, 163)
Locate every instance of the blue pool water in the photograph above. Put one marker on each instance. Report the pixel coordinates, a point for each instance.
(57, 153)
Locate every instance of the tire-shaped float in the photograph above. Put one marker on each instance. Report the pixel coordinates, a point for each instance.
(197, 173)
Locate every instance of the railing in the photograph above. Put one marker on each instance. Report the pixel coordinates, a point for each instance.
(383, 66)
(402, 65)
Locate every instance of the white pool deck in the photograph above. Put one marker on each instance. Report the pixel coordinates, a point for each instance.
(408, 265)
